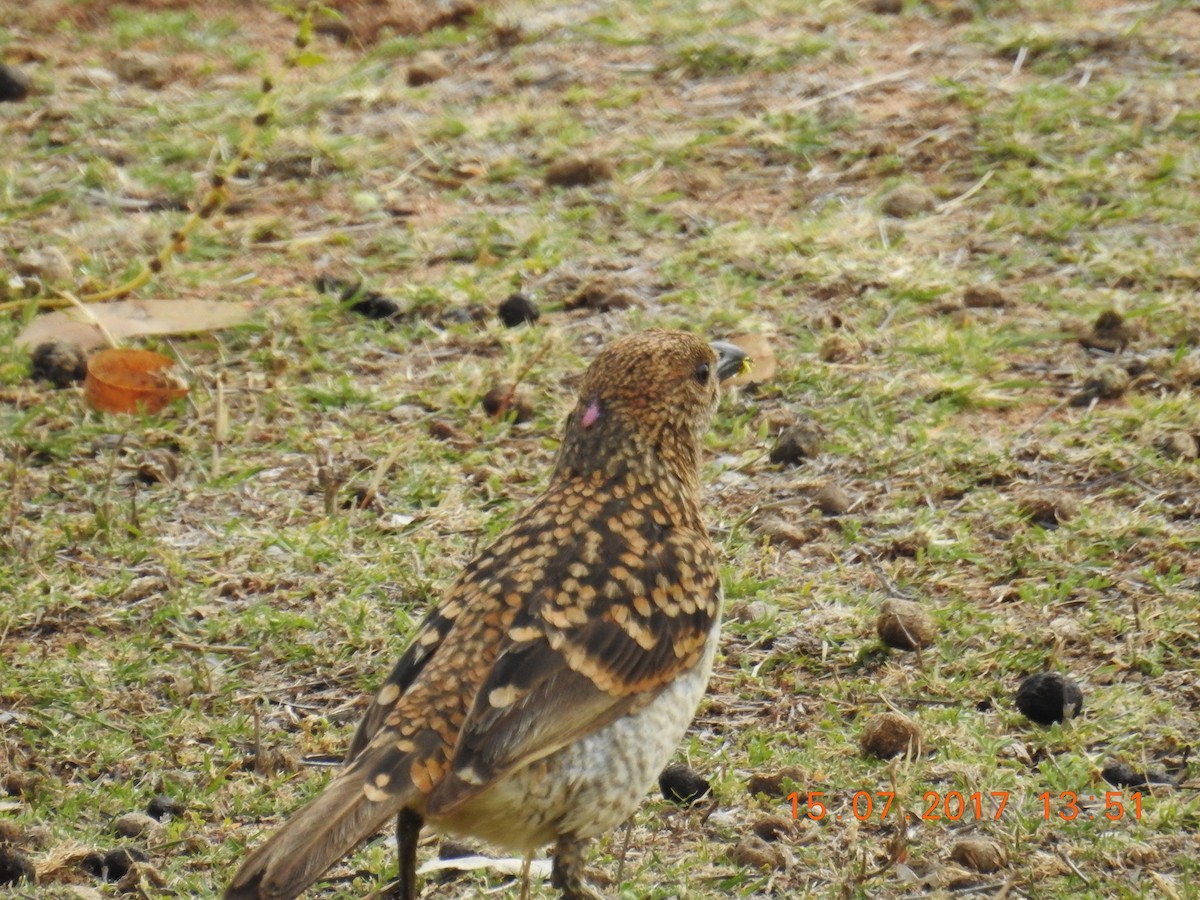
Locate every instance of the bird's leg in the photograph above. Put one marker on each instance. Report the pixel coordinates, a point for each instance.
(624, 850)
(525, 875)
(567, 871)
(408, 833)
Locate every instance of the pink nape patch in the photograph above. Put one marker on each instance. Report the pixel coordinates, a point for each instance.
(592, 414)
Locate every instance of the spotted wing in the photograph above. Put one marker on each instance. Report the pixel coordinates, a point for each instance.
(428, 638)
(594, 642)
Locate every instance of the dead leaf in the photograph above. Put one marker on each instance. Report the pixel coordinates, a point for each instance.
(127, 318)
(121, 380)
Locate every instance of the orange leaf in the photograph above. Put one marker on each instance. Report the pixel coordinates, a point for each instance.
(121, 381)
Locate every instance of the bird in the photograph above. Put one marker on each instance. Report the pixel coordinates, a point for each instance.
(539, 699)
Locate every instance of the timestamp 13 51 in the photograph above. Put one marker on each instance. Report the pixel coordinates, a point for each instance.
(1066, 805)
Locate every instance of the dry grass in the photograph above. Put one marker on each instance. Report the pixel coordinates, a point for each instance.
(207, 634)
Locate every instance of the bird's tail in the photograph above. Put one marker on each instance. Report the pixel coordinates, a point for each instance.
(314, 838)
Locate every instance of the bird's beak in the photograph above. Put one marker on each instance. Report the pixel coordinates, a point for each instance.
(731, 361)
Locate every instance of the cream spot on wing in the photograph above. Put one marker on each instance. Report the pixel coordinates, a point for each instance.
(469, 775)
(643, 636)
(388, 694)
(659, 596)
(505, 696)
(590, 553)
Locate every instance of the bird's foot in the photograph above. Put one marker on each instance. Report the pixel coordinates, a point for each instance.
(567, 872)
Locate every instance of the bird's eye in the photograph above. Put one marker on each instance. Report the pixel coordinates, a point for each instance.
(702, 373)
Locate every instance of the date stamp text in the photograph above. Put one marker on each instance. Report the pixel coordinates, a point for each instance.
(976, 806)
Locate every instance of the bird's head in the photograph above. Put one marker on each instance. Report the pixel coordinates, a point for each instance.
(645, 403)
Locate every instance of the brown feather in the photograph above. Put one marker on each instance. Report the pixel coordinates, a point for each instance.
(312, 840)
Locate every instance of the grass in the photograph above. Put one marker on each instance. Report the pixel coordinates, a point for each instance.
(206, 635)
